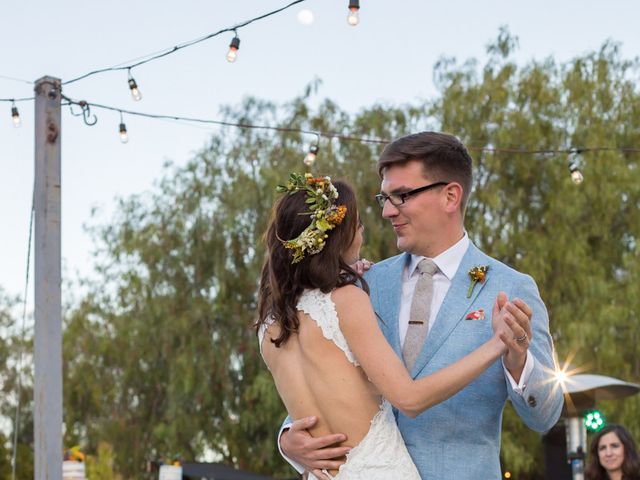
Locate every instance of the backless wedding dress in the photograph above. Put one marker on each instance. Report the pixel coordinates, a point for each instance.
(382, 454)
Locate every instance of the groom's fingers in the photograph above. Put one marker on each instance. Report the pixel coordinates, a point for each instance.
(320, 474)
(501, 299)
(303, 423)
(324, 445)
(313, 453)
(320, 448)
(328, 458)
(518, 302)
(522, 316)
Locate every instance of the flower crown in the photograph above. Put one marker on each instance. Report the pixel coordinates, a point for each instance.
(325, 215)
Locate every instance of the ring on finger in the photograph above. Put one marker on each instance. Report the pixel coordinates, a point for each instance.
(521, 339)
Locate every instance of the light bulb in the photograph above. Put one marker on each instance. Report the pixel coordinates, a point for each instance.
(135, 91)
(15, 116)
(354, 17)
(576, 174)
(577, 177)
(124, 137)
(311, 156)
(234, 46)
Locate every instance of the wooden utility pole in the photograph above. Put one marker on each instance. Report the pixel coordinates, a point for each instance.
(48, 304)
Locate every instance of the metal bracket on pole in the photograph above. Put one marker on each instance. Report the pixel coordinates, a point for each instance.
(48, 304)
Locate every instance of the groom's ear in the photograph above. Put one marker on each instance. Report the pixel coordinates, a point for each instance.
(453, 197)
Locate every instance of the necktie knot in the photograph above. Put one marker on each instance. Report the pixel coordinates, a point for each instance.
(427, 266)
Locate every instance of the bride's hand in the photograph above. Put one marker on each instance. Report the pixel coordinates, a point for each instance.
(362, 266)
(314, 454)
(511, 322)
(500, 327)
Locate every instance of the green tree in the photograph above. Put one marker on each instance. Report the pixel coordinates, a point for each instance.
(15, 351)
(100, 466)
(5, 458)
(160, 359)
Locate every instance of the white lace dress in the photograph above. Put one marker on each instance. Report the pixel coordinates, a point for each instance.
(382, 454)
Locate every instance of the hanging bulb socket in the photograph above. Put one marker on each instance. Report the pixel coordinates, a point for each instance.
(311, 156)
(234, 46)
(15, 115)
(124, 136)
(135, 91)
(354, 13)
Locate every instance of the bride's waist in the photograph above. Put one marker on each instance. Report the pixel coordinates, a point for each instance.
(349, 416)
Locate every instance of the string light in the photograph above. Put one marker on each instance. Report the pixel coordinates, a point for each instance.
(234, 46)
(339, 136)
(354, 17)
(171, 50)
(576, 174)
(133, 86)
(310, 158)
(15, 115)
(124, 136)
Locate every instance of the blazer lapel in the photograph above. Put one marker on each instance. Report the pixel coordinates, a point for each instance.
(388, 284)
(454, 306)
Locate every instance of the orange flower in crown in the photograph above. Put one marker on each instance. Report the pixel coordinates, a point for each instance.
(325, 215)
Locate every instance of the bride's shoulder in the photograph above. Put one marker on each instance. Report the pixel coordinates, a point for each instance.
(349, 296)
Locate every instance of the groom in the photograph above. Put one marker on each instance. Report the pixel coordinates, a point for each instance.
(426, 181)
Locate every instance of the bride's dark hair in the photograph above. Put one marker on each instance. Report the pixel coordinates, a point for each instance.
(282, 281)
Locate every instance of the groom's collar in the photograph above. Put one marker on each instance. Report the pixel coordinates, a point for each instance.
(448, 261)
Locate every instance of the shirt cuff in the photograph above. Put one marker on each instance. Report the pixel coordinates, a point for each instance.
(524, 378)
(299, 468)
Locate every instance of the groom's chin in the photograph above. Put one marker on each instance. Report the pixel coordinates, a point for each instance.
(403, 244)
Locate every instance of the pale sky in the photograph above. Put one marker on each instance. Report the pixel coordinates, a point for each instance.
(387, 58)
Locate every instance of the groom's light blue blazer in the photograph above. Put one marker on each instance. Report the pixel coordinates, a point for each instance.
(460, 438)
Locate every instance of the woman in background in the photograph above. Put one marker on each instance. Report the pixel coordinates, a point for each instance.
(613, 455)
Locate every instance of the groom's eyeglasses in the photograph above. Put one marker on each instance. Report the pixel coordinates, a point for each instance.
(398, 199)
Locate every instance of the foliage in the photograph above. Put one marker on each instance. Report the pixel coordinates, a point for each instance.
(100, 466)
(5, 458)
(12, 344)
(160, 358)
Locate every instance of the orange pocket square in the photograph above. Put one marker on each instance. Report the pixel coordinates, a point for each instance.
(476, 315)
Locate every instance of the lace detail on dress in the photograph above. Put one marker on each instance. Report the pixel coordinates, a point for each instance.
(381, 455)
(262, 332)
(322, 310)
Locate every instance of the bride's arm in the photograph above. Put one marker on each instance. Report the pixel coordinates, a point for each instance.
(387, 372)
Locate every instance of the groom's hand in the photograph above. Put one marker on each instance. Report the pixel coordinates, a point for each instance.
(314, 454)
(517, 316)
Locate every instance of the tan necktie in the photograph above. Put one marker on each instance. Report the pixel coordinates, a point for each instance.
(419, 315)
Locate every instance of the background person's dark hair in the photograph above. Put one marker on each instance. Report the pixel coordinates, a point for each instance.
(282, 282)
(443, 157)
(631, 463)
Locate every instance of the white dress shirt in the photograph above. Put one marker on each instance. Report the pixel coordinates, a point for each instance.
(448, 263)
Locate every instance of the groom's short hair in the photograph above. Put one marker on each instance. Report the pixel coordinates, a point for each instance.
(443, 157)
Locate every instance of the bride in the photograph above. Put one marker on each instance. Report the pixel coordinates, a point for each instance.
(321, 341)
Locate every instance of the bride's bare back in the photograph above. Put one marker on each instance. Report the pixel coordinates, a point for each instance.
(315, 377)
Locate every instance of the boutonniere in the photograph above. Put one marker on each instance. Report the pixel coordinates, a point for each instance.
(477, 274)
(476, 315)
